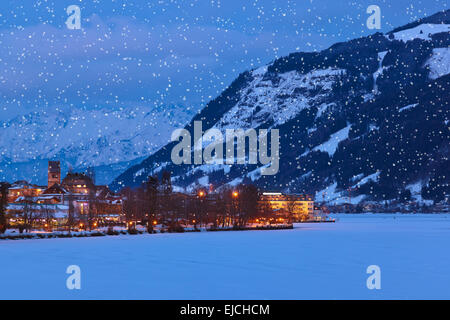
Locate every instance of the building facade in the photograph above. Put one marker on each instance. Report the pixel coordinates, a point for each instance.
(298, 207)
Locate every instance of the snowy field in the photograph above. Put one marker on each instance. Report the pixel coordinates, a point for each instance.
(313, 261)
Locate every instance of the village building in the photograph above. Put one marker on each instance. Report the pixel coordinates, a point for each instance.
(79, 184)
(55, 191)
(299, 207)
(76, 191)
(23, 189)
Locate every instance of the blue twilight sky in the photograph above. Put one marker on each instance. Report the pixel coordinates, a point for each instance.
(131, 53)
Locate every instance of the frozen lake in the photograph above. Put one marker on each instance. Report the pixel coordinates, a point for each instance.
(313, 261)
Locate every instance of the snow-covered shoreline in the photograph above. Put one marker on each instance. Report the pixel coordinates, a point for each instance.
(13, 234)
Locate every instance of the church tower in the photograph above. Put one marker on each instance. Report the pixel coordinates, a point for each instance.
(54, 173)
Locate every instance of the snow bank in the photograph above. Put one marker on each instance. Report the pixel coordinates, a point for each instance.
(372, 177)
(416, 193)
(379, 71)
(410, 106)
(439, 63)
(331, 145)
(422, 31)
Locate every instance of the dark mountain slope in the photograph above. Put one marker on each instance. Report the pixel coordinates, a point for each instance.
(370, 114)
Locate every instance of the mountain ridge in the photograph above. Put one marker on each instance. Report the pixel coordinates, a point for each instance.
(343, 101)
(107, 140)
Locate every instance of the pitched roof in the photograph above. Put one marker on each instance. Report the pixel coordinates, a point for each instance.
(55, 189)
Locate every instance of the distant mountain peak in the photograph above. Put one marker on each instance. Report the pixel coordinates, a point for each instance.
(83, 138)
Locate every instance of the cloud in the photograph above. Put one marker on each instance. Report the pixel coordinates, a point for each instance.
(120, 59)
(161, 53)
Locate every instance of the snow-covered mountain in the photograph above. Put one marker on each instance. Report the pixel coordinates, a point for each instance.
(108, 140)
(369, 115)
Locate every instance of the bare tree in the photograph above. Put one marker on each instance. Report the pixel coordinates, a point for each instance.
(70, 212)
(151, 201)
(247, 197)
(221, 209)
(92, 208)
(3, 203)
(291, 208)
(29, 214)
(229, 206)
(266, 209)
(166, 182)
(200, 206)
(47, 214)
(165, 196)
(129, 203)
